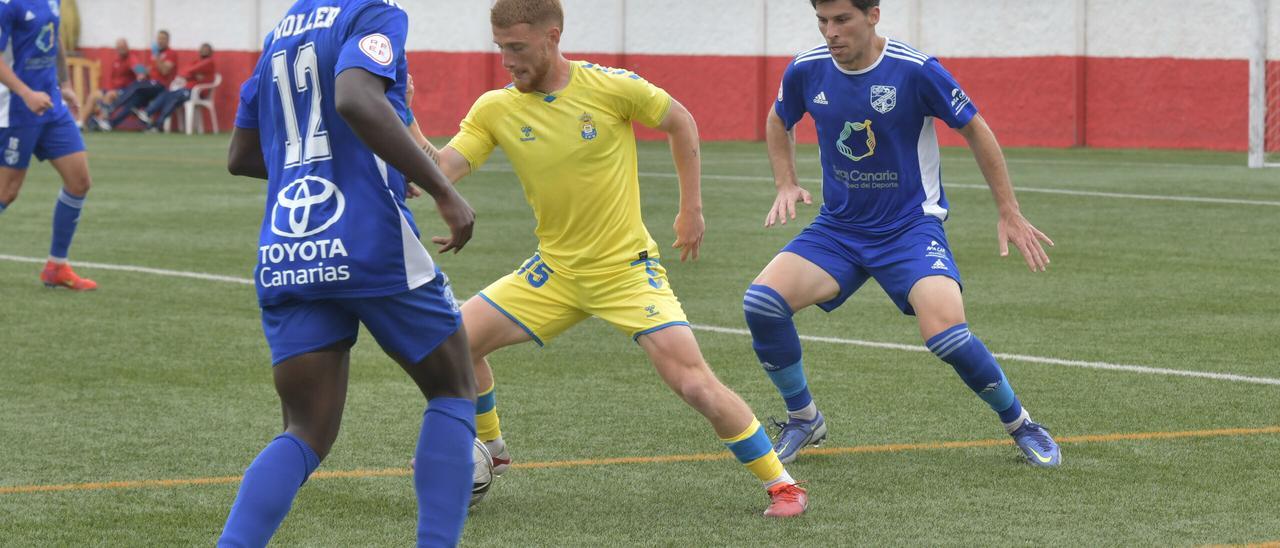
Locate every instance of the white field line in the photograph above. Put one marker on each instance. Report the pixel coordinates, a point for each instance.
(732, 331)
(1116, 195)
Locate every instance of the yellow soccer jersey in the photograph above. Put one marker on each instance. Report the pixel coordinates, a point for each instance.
(575, 155)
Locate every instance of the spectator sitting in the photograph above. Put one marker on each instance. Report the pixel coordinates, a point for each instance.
(121, 75)
(200, 72)
(160, 73)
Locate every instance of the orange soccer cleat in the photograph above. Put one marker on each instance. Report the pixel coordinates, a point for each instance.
(61, 275)
(786, 500)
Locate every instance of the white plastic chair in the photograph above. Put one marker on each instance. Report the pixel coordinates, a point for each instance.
(201, 97)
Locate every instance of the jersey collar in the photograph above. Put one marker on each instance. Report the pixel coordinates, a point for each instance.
(865, 70)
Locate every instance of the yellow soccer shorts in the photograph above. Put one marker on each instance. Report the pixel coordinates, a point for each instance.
(636, 300)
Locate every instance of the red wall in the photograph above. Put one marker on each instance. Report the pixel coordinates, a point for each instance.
(1054, 101)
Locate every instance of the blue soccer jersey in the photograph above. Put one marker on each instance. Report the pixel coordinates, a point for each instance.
(335, 224)
(29, 33)
(881, 168)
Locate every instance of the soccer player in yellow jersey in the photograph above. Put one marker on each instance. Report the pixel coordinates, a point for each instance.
(566, 126)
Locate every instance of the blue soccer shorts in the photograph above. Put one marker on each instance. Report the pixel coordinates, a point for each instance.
(896, 260)
(48, 141)
(408, 325)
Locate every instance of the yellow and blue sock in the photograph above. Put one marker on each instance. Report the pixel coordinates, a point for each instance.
(777, 345)
(488, 427)
(979, 370)
(66, 215)
(270, 484)
(443, 470)
(753, 449)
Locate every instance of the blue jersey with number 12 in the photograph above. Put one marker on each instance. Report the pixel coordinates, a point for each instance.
(335, 224)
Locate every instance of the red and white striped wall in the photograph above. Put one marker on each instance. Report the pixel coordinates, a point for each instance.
(1056, 73)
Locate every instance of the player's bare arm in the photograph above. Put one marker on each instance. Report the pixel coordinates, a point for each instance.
(361, 100)
(244, 156)
(781, 145)
(37, 101)
(682, 133)
(1013, 227)
(64, 84)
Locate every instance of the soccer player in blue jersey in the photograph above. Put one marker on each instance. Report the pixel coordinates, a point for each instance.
(874, 101)
(322, 119)
(35, 120)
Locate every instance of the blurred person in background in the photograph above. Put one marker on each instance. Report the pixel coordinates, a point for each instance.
(120, 76)
(162, 68)
(200, 72)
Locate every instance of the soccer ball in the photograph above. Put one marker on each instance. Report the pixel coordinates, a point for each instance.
(482, 478)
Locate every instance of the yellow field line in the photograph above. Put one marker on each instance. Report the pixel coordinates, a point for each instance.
(697, 457)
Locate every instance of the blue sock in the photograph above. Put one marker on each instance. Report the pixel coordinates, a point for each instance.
(777, 344)
(978, 368)
(444, 470)
(66, 215)
(267, 492)
(2, 207)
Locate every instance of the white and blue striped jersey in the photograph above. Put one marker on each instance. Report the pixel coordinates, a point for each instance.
(881, 168)
(336, 224)
(29, 34)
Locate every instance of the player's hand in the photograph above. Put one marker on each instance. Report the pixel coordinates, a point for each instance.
(408, 92)
(457, 213)
(411, 191)
(38, 101)
(689, 228)
(784, 205)
(69, 97)
(1017, 229)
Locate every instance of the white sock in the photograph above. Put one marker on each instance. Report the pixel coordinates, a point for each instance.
(57, 260)
(495, 446)
(785, 478)
(808, 413)
(1017, 423)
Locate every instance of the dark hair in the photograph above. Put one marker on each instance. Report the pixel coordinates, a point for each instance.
(509, 13)
(864, 5)
(164, 32)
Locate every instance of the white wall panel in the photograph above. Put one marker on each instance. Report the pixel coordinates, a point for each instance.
(223, 23)
(593, 26)
(101, 23)
(950, 28)
(685, 27)
(998, 28)
(1165, 28)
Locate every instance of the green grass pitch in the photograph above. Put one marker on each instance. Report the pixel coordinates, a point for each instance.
(155, 377)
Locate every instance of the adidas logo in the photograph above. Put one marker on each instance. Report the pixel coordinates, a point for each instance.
(821, 99)
(938, 265)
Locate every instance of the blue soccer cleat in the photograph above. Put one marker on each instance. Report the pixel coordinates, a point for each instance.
(1036, 443)
(798, 433)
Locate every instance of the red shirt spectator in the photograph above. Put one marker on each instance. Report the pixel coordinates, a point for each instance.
(203, 70)
(164, 62)
(165, 56)
(122, 74)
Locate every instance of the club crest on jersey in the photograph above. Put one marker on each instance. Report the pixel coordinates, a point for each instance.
(526, 133)
(851, 128)
(588, 127)
(307, 207)
(884, 98)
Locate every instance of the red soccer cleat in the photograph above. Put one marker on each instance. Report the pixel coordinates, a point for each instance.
(786, 500)
(61, 275)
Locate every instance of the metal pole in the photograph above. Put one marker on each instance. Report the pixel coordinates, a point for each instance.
(1258, 84)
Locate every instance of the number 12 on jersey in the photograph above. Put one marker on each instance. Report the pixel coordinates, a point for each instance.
(306, 77)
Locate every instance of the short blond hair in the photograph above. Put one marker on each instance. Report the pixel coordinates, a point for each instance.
(509, 13)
